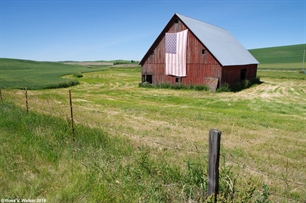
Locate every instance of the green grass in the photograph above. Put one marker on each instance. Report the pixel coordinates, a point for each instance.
(297, 75)
(176, 86)
(19, 74)
(280, 55)
(282, 66)
(164, 131)
(284, 62)
(262, 128)
(39, 159)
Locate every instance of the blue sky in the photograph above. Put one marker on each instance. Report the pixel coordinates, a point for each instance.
(80, 30)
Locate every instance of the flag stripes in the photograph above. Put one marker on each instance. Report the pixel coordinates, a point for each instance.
(176, 47)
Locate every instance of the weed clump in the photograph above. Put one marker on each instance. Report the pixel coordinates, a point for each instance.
(78, 75)
(302, 72)
(224, 88)
(178, 86)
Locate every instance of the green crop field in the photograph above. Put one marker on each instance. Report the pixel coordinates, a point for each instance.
(137, 144)
(19, 74)
(279, 55)
(281, 62)
(280, 58)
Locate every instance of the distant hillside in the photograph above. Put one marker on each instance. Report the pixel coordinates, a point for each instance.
(16, 73)
(282, 54)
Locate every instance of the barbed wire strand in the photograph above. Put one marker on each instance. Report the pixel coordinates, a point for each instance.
(227, 157)
(262, 173)
(244, 166)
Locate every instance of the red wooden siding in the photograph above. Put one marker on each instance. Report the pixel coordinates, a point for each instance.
(232, 74)
(198, 65)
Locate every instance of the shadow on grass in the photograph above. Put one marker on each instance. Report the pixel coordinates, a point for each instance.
(239, 86)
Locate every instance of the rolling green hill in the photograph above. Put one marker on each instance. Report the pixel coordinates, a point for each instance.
(16, 73)
(282, 54)
(274, 60)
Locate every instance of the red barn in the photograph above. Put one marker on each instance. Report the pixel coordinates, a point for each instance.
(192, 52)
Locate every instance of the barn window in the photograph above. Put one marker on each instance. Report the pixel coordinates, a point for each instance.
(149, 79)
(203, 51)
(176, 21)
(178, 79)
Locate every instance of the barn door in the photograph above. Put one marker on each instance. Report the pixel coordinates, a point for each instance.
(242, 74)
(211, 82)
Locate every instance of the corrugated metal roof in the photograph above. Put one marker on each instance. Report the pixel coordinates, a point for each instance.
(226, 48)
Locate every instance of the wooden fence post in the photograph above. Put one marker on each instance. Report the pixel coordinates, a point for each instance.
(71, 113)
(213, 161)
(1, 96)
(26, 95)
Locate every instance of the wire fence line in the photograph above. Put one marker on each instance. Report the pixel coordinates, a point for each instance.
(230, 158)
(176, 148)
(242, 166)
(265, 174)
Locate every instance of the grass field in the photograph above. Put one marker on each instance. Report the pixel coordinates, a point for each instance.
(262, 127)
(160, 145)
(280, 55)
(19, 74)
(285, 62)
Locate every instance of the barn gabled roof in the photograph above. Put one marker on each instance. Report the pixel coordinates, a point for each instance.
(223, 46)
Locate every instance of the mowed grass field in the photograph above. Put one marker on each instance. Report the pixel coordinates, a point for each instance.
(263, 138)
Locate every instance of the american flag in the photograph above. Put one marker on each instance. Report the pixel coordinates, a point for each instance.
(176, 45)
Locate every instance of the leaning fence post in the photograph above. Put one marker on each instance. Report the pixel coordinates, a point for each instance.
(26, 95)
(71, 113)
(213, 161)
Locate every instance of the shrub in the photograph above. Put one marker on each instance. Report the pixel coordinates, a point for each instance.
(239, 86)
(302, 72)
(78, 75)
(200, 87)
(145, 84)
(224, 88)
(178, 86)
(256, 80)
(175, 86)
(165, 86)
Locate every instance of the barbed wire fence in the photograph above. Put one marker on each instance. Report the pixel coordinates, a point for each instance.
(230, 158)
